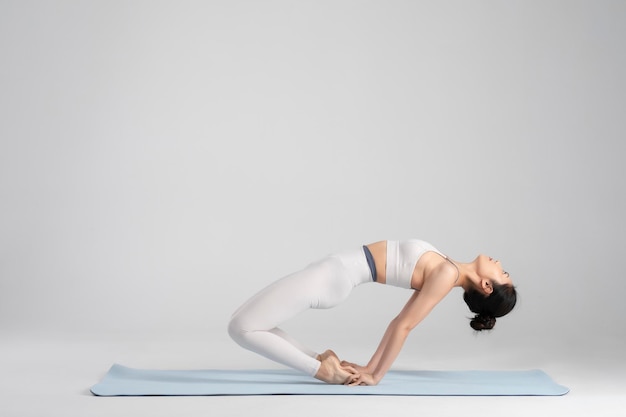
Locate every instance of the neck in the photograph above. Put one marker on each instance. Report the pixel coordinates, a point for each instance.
(468, 278)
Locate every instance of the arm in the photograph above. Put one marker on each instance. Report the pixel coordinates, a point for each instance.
(373, 363)
(416, 309)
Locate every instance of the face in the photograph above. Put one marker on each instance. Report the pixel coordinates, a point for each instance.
(490, 269)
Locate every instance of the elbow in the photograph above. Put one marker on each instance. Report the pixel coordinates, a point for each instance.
(404, 327)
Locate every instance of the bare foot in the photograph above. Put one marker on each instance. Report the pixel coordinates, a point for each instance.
(327, 354)
(332, 372)
(357, 368)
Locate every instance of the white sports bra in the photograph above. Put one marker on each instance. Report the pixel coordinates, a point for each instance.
(402, 256)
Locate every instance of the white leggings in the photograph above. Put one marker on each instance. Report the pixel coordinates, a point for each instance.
(322, 284)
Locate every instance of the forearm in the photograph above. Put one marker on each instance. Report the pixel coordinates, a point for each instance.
(418, 307)
(373, 363)
(395, 340)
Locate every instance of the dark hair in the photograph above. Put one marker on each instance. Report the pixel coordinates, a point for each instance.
(500, 302)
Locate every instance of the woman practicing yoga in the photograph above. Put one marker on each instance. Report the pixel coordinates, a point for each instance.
(411, 264)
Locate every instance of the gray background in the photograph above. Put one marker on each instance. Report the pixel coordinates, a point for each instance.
(162, 161)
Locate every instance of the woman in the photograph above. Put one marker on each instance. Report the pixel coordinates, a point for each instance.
(412, 264)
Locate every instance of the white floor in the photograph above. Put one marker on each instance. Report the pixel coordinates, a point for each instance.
(51, 376)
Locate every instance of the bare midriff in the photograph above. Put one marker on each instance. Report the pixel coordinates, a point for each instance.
(379, 253)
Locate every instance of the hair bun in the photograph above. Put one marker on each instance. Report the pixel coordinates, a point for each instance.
(483, 322)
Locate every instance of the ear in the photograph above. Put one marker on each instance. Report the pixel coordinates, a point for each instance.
(486, 286)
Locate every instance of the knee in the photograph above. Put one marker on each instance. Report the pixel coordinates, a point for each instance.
(236, 330)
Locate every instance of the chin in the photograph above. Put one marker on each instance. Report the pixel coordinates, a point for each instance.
(482, 263)
(482, 258)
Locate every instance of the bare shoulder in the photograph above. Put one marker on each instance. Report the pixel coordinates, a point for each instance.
(443, 273)
(448, 270)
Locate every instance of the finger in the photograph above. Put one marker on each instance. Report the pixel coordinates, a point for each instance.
(351, 379)
(355, 381)
(350, 369)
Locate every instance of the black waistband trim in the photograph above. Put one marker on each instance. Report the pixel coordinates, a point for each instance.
(370, 262)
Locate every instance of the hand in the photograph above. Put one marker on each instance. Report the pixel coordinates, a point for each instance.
(361, 379)
(331, 371)
(358, 368)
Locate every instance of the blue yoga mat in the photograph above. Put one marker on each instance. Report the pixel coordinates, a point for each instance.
(123, 381)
